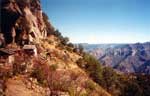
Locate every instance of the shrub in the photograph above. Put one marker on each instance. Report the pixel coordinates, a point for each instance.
(45, 17)
(69, 49)
(53, 67)
(81, 48)
(50, 41)
(19, 68)
(71, 45)
(57, 33)
(39, 75)
(90, 85)
(41, 71)
(92, 66)
(110, 80)
(60, 46)
(71, 91)
(81, 63)
(105, 77)
(132, 89)
(64, 40)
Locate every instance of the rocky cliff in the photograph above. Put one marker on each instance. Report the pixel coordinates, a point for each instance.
(21, 22)
(127, 58)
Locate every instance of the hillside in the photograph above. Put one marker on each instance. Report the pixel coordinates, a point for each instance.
(127, 58)
(35, 59)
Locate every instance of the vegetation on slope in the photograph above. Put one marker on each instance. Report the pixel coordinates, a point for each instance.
(117, 84)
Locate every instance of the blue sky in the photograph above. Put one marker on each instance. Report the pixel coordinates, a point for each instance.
(100, 21)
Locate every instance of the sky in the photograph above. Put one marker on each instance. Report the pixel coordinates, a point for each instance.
(100, 21)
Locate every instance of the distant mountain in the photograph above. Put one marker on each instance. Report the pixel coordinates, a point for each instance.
(127, 58)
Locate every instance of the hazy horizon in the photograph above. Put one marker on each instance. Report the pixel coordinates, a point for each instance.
(112, 43)
(100, 21)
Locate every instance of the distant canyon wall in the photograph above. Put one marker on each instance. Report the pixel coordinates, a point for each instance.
(127, 58)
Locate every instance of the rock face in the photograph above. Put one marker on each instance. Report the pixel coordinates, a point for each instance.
(128, 58)
(22, 21)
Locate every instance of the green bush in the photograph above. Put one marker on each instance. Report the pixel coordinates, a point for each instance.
(39, 75)
(92, 66)
(90, 85)
(71, 45)
(57, 33)
(69, 49)
(132, 89)
(64, 40)
(104, 76)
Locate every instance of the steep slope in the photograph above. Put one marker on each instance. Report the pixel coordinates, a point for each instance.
(34, 64)
(128, 58)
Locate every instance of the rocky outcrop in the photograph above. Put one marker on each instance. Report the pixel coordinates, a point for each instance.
(22, 22)
(10, 12)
